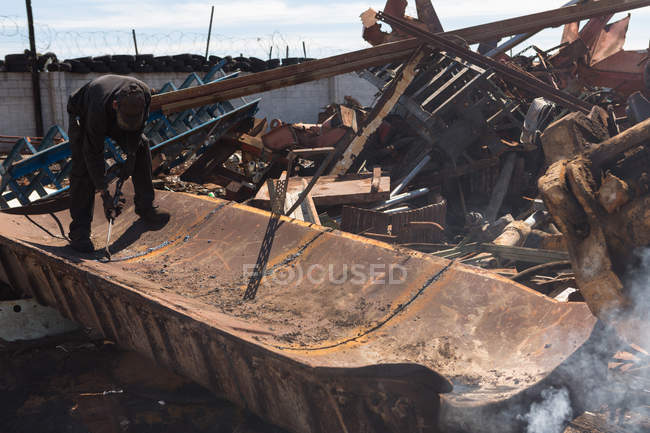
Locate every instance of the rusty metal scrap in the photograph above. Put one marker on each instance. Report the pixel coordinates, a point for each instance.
(515, 77)
(431, 263)
(590, 213)
(174, 296)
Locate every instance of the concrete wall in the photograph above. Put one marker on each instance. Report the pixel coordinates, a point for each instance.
(300, 103)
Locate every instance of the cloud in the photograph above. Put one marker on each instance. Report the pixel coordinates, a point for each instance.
(247, 15)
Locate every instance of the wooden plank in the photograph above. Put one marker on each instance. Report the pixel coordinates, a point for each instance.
(382, 108)
(332, 190)
(234, 89)
(376, 178)
(375, 56)
(309, 208)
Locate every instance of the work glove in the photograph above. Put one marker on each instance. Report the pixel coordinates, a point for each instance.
(113, 206)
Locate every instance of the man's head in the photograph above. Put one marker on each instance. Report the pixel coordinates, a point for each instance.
(130, 108)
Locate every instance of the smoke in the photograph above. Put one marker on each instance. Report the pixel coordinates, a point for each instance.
(551, 414)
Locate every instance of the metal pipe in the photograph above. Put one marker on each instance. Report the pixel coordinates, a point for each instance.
(410, 176)
(36, 85)
(396, 210)
(207, 45)
(518, 39)
(402, 197)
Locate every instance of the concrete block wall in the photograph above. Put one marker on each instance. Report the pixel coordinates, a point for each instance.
(300, 103)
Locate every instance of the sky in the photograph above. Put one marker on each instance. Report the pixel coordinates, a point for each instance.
(78, 28)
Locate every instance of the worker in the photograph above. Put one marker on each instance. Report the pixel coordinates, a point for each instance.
(117, 107)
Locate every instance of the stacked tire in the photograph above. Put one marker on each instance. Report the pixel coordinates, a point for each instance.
(17, 63)
(143, 63)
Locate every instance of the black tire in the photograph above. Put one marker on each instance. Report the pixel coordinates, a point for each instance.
(272, 63)
(53, 67)
(124, 58)
(165, 59)
(144, 59)
(183, 58)
(178, 66)
(104, 59)
(243, 66)
(16, 58)
(119, 67)
(85, 60)
(97, 66)
(290, 61)
(214, 59)
(65, 66)
(79, 67)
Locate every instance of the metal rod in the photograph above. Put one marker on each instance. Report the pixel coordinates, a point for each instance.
(135, 42)
(270, 52)
(516, 78)
(410, 176)
(304, 50)
(396, 210)
(518, 39)
(402, 197)
(36, 85)
(207, 45)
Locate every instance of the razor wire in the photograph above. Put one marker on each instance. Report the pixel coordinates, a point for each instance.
(73, 44)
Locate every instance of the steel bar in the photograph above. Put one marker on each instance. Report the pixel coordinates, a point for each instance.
(207, 45)
(135, 42)
(410, 176)
(379, 55)
(401, 198)
(513, 76)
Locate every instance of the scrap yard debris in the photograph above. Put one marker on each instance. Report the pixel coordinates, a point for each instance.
(532, 165)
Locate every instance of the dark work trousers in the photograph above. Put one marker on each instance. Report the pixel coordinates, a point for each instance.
(82, 189)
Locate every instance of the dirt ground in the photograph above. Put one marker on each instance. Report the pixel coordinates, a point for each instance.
(73, 384)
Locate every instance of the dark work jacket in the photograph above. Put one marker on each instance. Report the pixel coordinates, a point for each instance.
(93, 104)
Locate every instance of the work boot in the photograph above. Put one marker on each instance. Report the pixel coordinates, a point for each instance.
(153, 216)
(82, 245)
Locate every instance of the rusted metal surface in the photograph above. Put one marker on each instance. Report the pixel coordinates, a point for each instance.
(309, 355)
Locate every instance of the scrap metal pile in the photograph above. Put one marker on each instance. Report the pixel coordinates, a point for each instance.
(531, 168)
(448, 159)
(533, 165)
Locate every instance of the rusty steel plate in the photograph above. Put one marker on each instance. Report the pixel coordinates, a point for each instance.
(345, 334)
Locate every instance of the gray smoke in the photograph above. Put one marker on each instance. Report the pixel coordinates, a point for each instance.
(551, 414)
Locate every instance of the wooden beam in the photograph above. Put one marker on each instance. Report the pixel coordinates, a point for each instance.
(332, 190)
(382, 108)
(382, 54)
